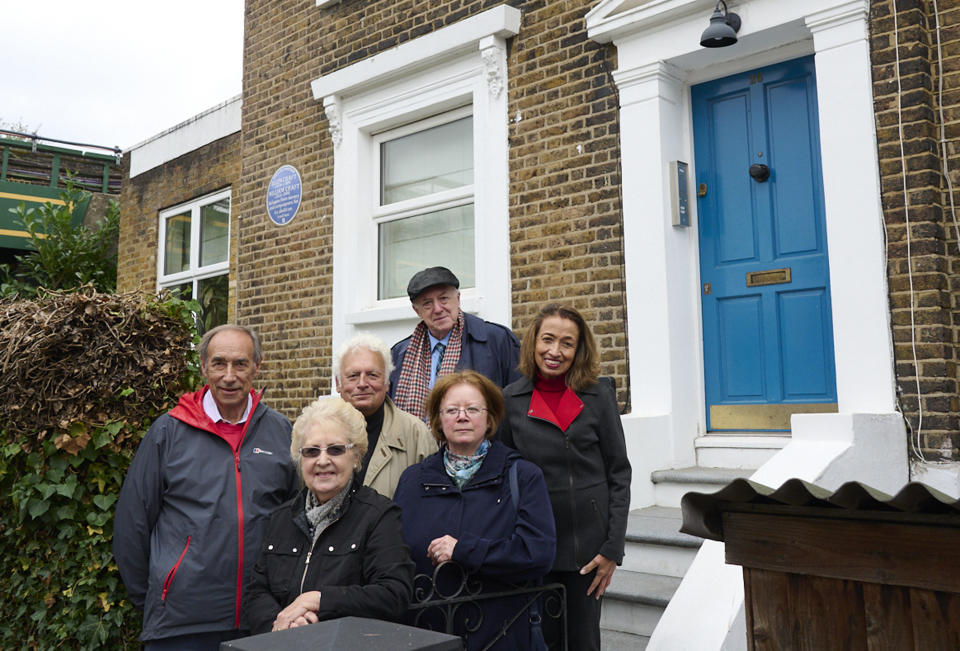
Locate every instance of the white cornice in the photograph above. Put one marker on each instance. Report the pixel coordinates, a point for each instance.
(502, 21)
(611, 18)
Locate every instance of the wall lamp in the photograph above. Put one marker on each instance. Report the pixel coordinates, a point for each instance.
(723, 28)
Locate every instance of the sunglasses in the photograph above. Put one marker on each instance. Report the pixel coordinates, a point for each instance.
(332, 450)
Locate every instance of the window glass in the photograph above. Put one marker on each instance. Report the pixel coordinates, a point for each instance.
(441, 238)
(177, 245)
(212, 296)
(184, 291)
(427, 162)
(195, 255)
(214, 231)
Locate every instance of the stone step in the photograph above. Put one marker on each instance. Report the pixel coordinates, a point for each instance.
(738, 449)
(655, 544)
(620, 641)
(671, 485)
(635, 600)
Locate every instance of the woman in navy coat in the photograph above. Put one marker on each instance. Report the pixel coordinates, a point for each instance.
(457, 505)
(565, 421)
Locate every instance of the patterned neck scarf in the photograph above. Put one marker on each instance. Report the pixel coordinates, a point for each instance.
(320, 516)
(462, 469)
(413, 385)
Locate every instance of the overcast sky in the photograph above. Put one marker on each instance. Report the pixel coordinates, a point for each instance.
(116, 72)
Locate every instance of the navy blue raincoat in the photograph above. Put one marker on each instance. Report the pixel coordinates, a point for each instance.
(503, 545)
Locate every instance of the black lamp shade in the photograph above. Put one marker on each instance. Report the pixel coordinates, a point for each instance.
(722, 30)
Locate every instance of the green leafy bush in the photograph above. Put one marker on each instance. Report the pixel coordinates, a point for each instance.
(63, 255)
(58, 487)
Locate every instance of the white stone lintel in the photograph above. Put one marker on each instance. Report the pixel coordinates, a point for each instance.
(502, 21)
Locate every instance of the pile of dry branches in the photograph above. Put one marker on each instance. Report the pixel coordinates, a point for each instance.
(87, 357)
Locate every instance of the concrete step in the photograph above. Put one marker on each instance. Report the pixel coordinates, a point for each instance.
(655, 544)
(738, 449)
(671, 485)
(635, 600)
(619, 641)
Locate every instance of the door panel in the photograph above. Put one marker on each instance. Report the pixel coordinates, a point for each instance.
(735, 229)
(804, 322)
(795, 209)
(767, 330)
(742, 360)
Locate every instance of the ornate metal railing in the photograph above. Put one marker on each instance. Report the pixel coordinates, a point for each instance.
(452, 601)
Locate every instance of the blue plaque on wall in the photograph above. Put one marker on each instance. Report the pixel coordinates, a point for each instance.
(283, 195)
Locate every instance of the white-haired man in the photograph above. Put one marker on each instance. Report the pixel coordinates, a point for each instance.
(396, 439)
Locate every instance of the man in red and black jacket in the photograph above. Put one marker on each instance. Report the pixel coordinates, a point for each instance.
(196, 500)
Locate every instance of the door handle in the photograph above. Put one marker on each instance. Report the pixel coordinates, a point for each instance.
(759, 172)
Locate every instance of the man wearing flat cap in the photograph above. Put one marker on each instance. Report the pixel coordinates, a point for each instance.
(447, 340)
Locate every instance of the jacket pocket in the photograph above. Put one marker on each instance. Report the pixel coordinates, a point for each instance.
(281, 562)
(601, 518)
(168, 580)
(336, 563)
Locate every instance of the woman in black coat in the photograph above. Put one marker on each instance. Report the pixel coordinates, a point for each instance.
(565, 421)
(337, 548)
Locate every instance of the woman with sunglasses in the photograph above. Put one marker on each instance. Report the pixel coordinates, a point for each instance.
(336, 549)
(461, 504)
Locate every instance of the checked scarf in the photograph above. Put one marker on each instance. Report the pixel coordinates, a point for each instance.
(413, 383)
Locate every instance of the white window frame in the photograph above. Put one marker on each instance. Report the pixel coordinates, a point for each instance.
(195, 272)
(434, 202)
(463, 65)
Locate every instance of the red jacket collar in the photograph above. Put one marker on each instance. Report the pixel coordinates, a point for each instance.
(189, 410)
(570, 407)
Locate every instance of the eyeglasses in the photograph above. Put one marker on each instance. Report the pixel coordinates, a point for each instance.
(452, 412)
(334, 450)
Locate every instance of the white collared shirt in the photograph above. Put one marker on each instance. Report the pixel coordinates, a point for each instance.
(210, 409)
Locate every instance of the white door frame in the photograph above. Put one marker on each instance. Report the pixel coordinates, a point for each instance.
(659, 58)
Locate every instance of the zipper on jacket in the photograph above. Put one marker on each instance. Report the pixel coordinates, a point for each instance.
(236, 464)
(173, 571)
(236, 459)
(313, 545)
(306, 566)
(573, 502)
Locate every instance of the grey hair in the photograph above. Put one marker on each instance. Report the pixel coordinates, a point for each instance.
(332, 410)
(369, 342)
(211, 333)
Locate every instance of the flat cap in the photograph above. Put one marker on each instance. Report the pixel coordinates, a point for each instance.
(424, 280)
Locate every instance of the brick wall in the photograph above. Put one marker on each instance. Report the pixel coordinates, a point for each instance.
(210, 168)
(565, 208)
(930, 326)
(564, 172)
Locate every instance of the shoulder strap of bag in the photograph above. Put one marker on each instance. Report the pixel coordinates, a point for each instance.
(514, 487)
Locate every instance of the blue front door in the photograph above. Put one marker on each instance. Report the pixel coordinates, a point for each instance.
(767, 330)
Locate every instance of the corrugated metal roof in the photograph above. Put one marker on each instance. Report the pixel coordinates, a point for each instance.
(703, 512)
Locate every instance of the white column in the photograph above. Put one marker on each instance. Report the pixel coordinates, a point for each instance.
(492, 169)
(660, 274)
(854, 218)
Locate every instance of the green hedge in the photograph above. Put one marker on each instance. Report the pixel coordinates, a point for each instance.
(61, 587)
